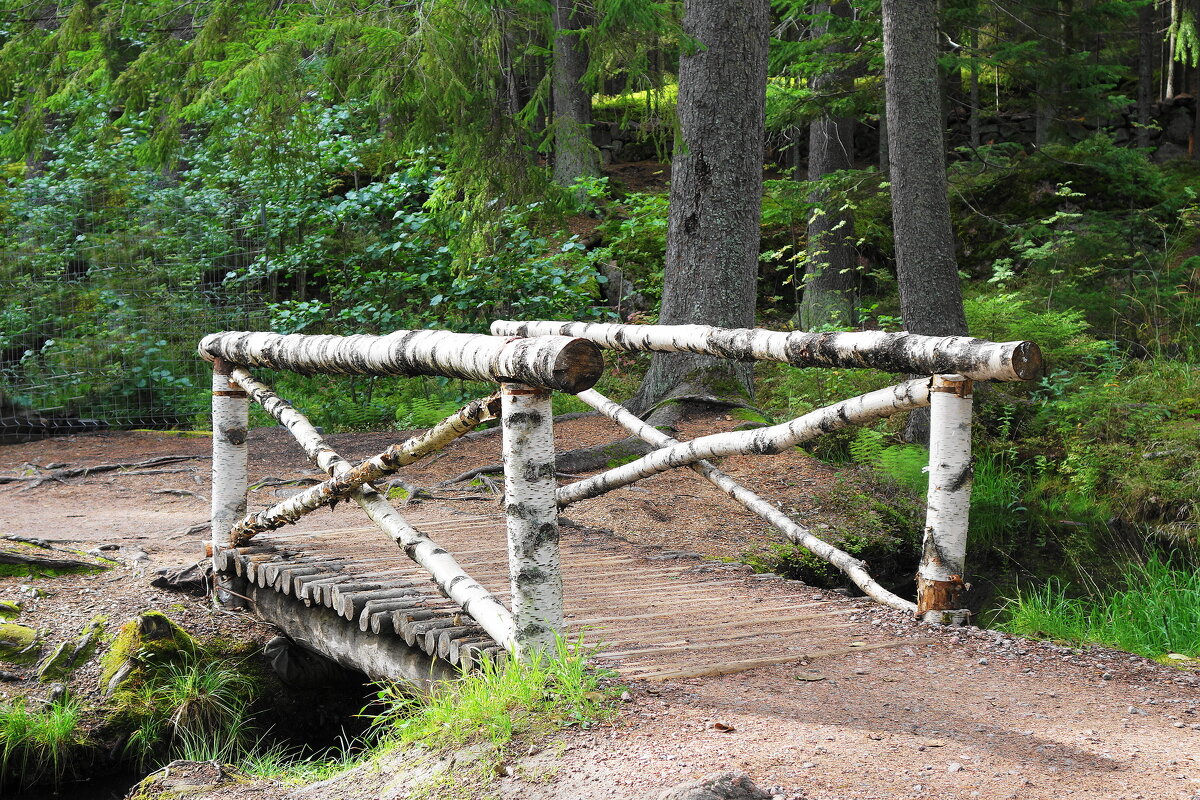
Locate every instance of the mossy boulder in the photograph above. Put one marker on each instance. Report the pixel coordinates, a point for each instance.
(9, 609)
(19, 644)
(150, 639)
(71, 654)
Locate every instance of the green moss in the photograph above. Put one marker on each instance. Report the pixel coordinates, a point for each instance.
(152, 638)
(9, 609)
(69, 655)
(19, 644)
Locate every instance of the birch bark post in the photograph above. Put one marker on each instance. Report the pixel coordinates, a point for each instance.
(527, 422)
(940, 583)
(230, 465)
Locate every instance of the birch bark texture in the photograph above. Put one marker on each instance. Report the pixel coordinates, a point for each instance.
(341, 485)
(850, 566)
(944, 548)
(230, 463)
(569, 365)
(760, 441)
(711, 268)
(451, 579)
(893, 352)
(527, 423)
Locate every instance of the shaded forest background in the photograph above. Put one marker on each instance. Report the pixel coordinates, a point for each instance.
(358, 166)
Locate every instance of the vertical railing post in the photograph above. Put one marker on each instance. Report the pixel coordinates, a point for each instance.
(940, 583)
(230, 421)
(532, 513)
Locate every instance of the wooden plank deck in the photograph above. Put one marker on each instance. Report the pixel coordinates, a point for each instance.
(649, 614)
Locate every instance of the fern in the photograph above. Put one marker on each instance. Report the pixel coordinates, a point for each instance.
(867, 447)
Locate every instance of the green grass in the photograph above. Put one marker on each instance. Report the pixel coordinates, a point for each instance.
(1158, 611)
(35, 741)
(493, 709)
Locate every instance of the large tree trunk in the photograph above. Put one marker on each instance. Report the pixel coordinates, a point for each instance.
(828, 298)
(574, 155)
(716, 192)
(1145, 90)
(930, 294)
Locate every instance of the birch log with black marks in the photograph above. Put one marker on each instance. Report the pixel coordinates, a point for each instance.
(759, 441)
(450, 577)
(851, 567)
(345, 482)
(977, 359)
(230, 467)
(569, 365)
(532, 516)
(944, 550)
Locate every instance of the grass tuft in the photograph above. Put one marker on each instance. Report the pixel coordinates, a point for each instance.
(1158, 611)
(35, 741)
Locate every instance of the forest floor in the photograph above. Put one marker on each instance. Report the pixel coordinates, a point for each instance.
(951, 713)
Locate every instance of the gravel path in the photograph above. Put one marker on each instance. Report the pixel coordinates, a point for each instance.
(944, 713)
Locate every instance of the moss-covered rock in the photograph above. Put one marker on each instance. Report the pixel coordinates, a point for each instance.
(187, 779)
(19, 644)
(71, 654)
(152, 638)
(9, 609)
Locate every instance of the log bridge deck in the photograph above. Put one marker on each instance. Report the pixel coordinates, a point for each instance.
(651, 614)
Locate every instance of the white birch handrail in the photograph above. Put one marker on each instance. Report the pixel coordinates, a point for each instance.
(372, 469)
(760, 441)
(852, 567)
(554, 362)
(892, 352)
(449, 576)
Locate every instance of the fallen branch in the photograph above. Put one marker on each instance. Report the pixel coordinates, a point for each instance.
(469, 474)
(82, 472)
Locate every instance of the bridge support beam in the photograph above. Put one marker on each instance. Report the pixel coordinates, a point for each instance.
(230, 422)
(531, 509)
(940, 583)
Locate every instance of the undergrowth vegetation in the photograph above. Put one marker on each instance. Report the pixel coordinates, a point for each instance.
(37, 741)
(494, 709)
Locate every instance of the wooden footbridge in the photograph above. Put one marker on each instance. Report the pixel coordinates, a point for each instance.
(463, 588)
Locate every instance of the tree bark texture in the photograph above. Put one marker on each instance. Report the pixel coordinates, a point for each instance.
(711, 266)
(230, 462)
(527, 421)
(340, 486)
(850, 566)
(450, 577)
(831, 257)
(926, 269)
(930, 294)
(759, 441)
(574, 155)
(892, 352)
(1145, 86)
(563, 364)
(944, 549)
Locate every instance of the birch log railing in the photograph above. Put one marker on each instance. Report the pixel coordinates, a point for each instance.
(953, 364)
(528, 370)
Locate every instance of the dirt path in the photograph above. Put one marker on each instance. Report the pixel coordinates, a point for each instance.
(965, 713)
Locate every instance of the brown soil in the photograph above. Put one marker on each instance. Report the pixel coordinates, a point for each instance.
(947, 713)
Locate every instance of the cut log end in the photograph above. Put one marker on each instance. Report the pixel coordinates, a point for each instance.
(578, 366)
(1027, 361)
